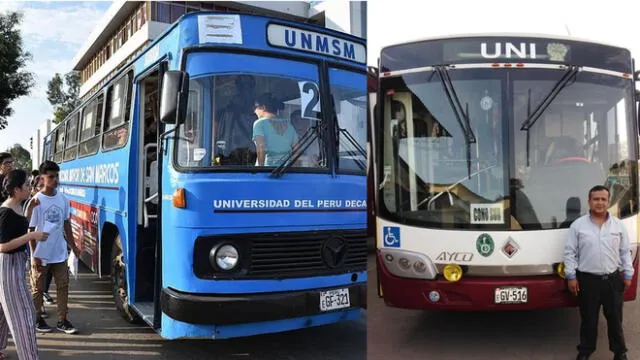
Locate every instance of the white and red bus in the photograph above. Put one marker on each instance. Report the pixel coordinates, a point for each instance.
(485, 149)
(372, 91)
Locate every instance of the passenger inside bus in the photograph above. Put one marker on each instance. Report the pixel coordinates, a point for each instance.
(150, 137)
(121, 134)
(398, 116)
(151, 125)
(235, 125)
(274, 137)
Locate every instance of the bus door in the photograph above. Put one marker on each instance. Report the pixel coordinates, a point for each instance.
(148, 86)
(400, 132)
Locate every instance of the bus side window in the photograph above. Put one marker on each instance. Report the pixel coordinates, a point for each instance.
(117, 115)
(71, 150)
(90, 128)
(59, 143)
(46, 154)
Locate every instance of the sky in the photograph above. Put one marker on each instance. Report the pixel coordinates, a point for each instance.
(53, 32)
(612, 21)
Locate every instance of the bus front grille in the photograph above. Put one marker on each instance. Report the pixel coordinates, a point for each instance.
(309, 254)
(287, 254)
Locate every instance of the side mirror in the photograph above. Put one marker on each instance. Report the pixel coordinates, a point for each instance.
(175, 91)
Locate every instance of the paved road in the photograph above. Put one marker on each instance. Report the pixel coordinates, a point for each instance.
(540, 335)
(104, 335)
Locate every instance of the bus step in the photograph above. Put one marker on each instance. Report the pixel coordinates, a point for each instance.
(145, 310)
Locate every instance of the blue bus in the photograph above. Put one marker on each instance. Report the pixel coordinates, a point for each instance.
(169, 198)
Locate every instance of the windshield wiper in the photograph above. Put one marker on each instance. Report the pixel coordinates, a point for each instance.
(359, 149)
(459, 112)
(568, 77)
(431, 199)
(305, 141)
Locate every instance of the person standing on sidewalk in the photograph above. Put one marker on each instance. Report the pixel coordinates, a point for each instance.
(51, 210)
(16, 305)
(36, 187)
(597, 259)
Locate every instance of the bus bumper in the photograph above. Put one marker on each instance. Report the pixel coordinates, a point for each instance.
(477, 293)
(233, 309)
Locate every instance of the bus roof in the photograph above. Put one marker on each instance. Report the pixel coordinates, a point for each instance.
(506, 34)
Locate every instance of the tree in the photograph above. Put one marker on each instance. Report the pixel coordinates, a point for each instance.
(21, 157)
(14, 80)
(64, 96)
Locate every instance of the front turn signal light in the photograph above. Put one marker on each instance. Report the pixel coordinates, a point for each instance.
(179, 199)
(452, 272)
(560, 270)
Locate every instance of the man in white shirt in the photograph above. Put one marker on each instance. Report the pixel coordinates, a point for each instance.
(50, 211)
(599, 270)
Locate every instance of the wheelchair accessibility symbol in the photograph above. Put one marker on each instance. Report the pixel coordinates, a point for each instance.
(391, 236)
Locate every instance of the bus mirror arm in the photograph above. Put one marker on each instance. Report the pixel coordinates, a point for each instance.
(163, 139)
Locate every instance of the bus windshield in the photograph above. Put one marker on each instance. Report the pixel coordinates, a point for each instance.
(247, 111)
(533, 177)
(586, 137)
(349, 93)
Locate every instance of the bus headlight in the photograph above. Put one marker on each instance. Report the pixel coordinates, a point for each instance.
(452, 272)
(419, 267)
(408, 264)
(225, 257)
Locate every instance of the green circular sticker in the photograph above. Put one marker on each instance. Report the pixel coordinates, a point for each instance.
(485, 245)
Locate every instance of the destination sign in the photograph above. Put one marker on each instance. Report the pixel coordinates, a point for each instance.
(314, 42)
(470, 50)
(498, 50)
(280, 204)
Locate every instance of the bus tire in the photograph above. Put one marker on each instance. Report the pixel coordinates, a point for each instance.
(119, 283)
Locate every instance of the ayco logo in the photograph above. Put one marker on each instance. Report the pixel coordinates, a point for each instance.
(455, 256)
(509, 50)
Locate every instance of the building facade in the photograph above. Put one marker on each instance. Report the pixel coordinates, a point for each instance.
(128, 26)
(37, 143)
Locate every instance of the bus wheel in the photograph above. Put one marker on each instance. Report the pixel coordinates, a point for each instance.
(119, 283)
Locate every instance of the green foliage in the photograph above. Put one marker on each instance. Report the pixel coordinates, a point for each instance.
(63, 95)
(21, 157)
(14, 80)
